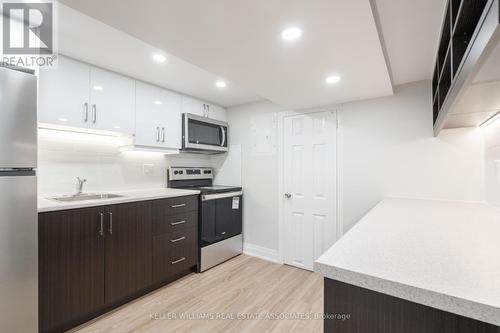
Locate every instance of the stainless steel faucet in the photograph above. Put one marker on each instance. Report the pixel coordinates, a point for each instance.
(79, 188)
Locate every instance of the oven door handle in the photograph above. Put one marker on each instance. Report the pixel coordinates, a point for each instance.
(208, 197)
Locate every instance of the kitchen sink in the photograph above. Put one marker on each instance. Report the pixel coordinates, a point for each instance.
(86, 196)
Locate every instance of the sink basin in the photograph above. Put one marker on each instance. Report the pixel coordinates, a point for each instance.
(87, 196)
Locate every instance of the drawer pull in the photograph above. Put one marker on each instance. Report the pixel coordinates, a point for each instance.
(178, 239)
(178, 206)
(178, 260)
(177, 223)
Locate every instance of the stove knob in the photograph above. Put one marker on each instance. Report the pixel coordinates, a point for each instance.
(176, 172)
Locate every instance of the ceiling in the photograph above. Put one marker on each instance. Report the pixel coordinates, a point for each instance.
(84, 38)
(410, 29)
(239, 40)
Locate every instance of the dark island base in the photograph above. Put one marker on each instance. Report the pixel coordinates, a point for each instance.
(373, 312)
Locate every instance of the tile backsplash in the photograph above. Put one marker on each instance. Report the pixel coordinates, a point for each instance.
(63, 156)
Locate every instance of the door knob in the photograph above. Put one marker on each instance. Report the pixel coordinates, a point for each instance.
(288, 195)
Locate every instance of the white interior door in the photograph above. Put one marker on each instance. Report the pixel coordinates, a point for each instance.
(310, 203)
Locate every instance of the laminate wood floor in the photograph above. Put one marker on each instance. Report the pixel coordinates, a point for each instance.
(243, 286)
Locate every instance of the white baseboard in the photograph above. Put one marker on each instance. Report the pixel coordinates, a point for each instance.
(261, 252)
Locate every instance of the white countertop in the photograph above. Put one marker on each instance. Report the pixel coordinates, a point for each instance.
(441, 254)
(49, 205)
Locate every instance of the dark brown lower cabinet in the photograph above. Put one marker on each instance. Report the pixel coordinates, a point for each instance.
(173, 253)
(370, 311)
(92, 260)
(175, 238)
(71, 267)
(128, 250)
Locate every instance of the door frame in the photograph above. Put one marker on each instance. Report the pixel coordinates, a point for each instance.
(335, 109)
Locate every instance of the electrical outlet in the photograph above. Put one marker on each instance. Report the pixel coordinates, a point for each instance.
(148, 169)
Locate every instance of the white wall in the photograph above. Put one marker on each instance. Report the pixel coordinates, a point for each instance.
(386, 148)
(492, 162)
(259, 172)
(389, 150)
(62, 156)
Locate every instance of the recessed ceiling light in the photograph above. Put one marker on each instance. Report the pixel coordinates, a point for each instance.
(221, 84)
(159, 57)
(333, 79)
(98, 88)
(158, 102)
(292, 33)
(63, 120)
(117, 127)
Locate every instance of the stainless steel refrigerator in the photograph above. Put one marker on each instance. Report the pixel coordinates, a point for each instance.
(18, 201)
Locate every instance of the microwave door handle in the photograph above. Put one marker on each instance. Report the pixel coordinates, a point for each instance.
(223, 136)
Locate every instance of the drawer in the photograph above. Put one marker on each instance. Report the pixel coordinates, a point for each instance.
(170, 258)
(173, 223)
(174, 206)
(163, 244)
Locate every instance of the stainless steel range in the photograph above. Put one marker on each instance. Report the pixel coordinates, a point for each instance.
(220, 219)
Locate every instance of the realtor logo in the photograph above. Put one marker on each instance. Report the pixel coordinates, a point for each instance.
(28, 33)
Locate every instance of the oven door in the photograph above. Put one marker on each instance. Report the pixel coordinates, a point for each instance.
(221, 216)
(204, 134)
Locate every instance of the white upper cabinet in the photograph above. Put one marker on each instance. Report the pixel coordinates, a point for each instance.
(64, 94)
(79, 95)
(82, 96)
(194, 106)
(112, 99)
(203, 109)
(158, 117)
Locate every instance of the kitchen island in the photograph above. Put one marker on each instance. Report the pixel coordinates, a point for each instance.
(416, 266)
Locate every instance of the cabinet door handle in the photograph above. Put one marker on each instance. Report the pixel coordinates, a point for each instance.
(85, 112)
(178, 239)
(178, 260)
(110, 223)
(94, 113)
(163, 134)
(178, 206)
(101, 230)
(177, 223)
(157, 134)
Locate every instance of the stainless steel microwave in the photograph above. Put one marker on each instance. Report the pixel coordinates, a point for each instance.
(203, 135)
